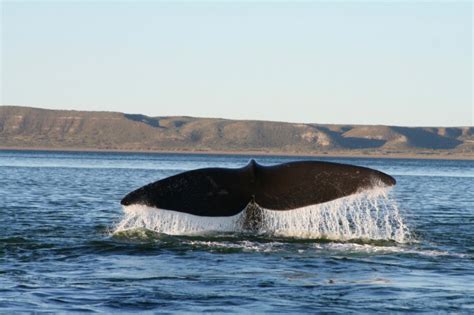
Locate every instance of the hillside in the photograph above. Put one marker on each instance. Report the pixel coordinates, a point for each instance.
(25, 127)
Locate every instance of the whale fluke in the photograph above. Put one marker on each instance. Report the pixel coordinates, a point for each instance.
(221, 192)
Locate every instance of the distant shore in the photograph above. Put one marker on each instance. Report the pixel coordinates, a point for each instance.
(337, 154)
(26, 128)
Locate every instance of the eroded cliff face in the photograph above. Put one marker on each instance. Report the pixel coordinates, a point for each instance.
(34, 127)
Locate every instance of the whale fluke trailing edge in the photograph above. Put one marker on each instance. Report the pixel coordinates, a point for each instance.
(223, 192)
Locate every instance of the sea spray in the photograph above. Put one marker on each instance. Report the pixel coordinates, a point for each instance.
(173, 222)
(370, 215)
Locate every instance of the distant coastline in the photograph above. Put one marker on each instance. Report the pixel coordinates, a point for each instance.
(427, 156)
(26, 128)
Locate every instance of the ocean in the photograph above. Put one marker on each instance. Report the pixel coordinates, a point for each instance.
(67, 245)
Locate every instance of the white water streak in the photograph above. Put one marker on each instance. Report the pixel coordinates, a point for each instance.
(173, 222)
(370, 215)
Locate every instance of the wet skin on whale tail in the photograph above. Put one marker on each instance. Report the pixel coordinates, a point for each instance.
(221, 192)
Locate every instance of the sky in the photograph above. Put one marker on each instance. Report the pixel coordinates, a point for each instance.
(386, 62)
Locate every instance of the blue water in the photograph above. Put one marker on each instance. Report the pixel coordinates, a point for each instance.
(60, 250)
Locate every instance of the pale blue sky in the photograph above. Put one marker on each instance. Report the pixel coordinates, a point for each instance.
(391, 62)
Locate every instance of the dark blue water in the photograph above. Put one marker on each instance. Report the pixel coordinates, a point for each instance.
(59, 252)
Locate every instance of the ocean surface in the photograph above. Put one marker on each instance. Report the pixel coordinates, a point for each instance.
(67, 245)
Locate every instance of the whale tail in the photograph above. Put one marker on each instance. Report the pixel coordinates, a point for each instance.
(219, 192)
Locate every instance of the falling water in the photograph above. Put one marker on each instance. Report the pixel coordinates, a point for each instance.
(371, 215)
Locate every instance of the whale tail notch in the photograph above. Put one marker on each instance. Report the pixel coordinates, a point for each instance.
(222, 192)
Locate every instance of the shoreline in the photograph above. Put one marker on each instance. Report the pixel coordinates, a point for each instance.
(336, 154)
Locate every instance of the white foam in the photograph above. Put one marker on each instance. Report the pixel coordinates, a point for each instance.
(245, 246)
(173, 222)
(370, 215)
(374, 249)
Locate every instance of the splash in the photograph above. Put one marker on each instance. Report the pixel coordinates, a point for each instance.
(370, 215)
(173, 222)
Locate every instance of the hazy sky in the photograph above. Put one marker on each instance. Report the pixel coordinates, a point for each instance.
(390, 62)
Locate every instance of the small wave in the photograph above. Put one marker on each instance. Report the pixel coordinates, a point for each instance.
(371, 215)
(136, 235)
(239, 246)
(377, 249)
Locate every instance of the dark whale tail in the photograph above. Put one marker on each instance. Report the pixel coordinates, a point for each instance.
(218, 192)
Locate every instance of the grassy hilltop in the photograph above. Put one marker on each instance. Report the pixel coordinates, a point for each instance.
(25, 127)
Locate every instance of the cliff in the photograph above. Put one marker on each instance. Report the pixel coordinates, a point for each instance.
(25, 127)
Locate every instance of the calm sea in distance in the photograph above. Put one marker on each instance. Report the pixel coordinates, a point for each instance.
(67, 245)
